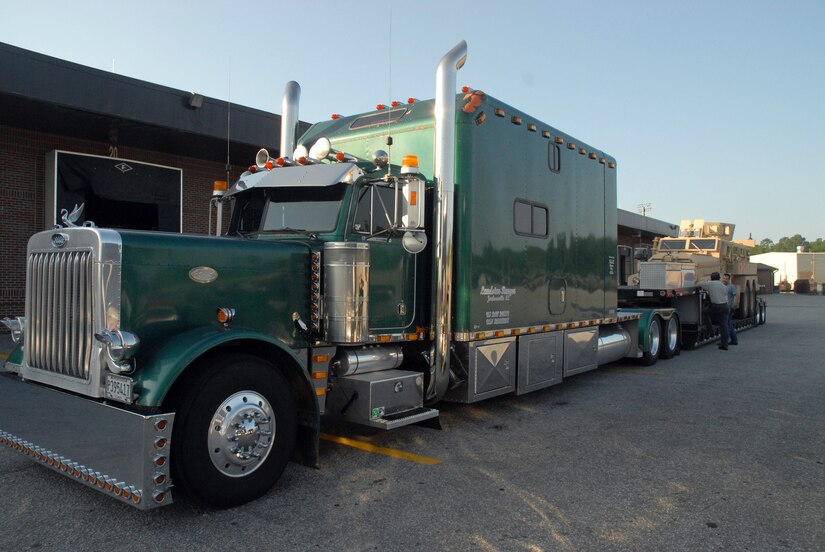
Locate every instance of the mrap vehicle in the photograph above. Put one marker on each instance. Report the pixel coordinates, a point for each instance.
(348, 285)
(668, 278)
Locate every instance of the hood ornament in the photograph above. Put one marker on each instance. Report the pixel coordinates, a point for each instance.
(69, 219)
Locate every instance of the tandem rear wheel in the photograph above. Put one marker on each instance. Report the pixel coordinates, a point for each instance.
(671, 337)
(654, 340)
(234, 431)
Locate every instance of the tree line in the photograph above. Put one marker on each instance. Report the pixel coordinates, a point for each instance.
(789, 244)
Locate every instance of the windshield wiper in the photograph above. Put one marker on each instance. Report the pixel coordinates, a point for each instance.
(297, 231)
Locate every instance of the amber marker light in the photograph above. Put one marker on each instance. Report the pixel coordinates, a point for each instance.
(340, 156)
(302, 160)
(395, 103)
(380, 107)
(160, 425)
(280, 162)
(411, 101)
(335, 116)
(384, 338)
(253, 168)
(269, 164)
(226, 315)
(320, 358)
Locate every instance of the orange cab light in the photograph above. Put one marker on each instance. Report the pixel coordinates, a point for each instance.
(335, 116)
(384, 338)
(219, 187)
(395, 103)
(340, 156)
(280, 162)
(321, 391)
(269, 164)
(302, 160)
(410, 161)
(379, 107)
(413, 198)
(499, 333)
(253, 168)
(320, 375)
(320, 358)
(465, 89)
(411, 337)
(410, 101)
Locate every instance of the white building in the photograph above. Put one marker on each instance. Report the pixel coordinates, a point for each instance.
(791, 267)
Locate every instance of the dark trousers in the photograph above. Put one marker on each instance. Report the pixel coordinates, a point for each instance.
(731, 329)
(719, 315)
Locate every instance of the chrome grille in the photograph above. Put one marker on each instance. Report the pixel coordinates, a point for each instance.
(59, 311)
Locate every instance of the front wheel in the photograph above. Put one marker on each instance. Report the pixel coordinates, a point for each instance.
(234, 431)
(654, 340)
(671, 345)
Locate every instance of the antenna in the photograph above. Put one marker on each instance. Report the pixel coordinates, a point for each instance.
(228, 119)
(389, 100)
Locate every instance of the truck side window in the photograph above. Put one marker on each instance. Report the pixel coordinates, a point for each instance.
(374, 212)
(554, 157)
(530, 219)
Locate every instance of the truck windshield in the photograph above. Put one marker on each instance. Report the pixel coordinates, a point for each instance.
(674, 245)
(708, 244)
(290, 209)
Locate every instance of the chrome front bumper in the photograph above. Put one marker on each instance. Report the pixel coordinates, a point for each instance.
(121, 454)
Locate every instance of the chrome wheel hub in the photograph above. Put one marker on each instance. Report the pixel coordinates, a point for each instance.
(241, 433)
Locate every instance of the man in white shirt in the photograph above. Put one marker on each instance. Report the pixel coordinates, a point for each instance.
(719, 310)
(732, 291)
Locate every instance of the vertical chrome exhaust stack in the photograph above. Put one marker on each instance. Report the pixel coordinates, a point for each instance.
(289, 118)
(444, 174)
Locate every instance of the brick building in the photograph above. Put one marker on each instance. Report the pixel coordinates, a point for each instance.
(47, 105)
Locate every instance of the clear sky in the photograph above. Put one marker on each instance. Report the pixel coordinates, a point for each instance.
(714, 109)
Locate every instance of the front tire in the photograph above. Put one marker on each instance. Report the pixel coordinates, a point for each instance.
(654, 340)
(234, 431)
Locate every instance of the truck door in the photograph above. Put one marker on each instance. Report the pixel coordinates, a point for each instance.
(392, 301)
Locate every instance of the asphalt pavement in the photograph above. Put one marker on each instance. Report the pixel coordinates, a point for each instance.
(712, 450)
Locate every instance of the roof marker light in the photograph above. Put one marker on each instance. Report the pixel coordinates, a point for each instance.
(218, 188)
(380, 107)
(395, 103)
(335, 116)
(411, 101)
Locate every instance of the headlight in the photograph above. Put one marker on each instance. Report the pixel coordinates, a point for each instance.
(16, 326)
(120, 348)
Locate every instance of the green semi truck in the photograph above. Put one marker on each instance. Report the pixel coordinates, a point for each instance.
(447, 250)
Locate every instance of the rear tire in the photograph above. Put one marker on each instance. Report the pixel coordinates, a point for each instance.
(654, 339)
(671, 338)
(234, 431)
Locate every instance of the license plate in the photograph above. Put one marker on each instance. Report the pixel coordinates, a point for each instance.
(119, 388)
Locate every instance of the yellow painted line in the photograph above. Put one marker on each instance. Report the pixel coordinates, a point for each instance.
(4, 355)
(645, 372)
(361, 445)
